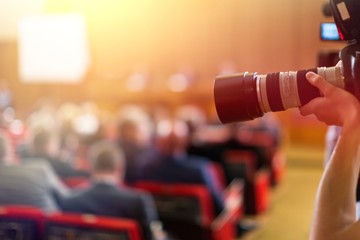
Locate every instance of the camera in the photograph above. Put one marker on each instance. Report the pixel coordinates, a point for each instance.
(246, 96)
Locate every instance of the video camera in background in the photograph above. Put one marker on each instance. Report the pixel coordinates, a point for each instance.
(328, 30)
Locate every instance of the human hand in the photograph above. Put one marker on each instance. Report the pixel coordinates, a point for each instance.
(336, 107)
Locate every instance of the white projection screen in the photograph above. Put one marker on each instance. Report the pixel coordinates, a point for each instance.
(53, 49)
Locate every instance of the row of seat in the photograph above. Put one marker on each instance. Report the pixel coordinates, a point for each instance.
(185, 210)
(258, 182)
(18, 222)
(244, 164)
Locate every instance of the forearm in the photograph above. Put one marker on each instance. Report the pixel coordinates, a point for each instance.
(335, 211)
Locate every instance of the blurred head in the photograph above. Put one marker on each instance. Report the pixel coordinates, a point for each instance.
(4, 150)
(44, 142)
(129, 132)
(194, 117)
(106, 159)
(134, 126)
(172, 136)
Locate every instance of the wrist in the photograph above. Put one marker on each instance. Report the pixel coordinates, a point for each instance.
(352, 123)
(351, 114)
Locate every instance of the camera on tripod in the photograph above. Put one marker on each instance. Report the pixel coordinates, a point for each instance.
(246, 96)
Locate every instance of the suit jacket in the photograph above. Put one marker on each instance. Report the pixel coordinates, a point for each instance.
(31, 184)
(110, 200)
(62, 169)
(136, 160)
(185, 169)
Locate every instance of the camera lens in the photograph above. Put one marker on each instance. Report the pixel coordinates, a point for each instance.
(246, 96)
(236, 97)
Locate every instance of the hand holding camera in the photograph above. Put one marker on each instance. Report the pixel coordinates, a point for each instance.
(345, 107)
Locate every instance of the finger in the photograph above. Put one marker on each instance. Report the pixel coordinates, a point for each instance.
(311, 107)
(319, 82)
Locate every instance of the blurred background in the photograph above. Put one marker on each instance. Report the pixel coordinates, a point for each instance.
(167, 53)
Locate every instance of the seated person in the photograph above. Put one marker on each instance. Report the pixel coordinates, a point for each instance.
(106, 197)
(172, 164)
(44, 147)
(33, 184)
(136, 145)
(217, 139)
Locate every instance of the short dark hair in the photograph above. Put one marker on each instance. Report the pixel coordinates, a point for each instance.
(105, 157)
(41, 140)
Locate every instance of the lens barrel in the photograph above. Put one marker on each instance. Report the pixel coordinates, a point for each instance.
(246, 96)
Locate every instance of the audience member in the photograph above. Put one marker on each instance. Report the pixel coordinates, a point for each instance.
(69, 140)
(44, 147)
(172, 164)
(105, 196)
(134, 132)
(195, 119)
(43, 115)
(5, 150)
(221, 138)
(32, 184)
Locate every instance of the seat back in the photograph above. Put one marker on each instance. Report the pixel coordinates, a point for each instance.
(240, 164)
(71, 226)
(217, 173)
(259, 138)
(189, 203)
(186, 210)
(20, 222)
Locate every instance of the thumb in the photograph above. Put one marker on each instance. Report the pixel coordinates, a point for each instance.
(319, 82)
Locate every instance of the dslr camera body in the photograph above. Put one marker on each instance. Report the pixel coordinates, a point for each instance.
(246, 96)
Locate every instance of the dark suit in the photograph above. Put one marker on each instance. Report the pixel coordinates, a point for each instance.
(62, 169)
(136, 160)
(32, 184)
(110, 200)
(186, 169)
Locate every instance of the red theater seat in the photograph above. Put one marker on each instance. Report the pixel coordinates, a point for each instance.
(21, 222)
(86, 226)
(278, 163)
(242, 164)
(186, 210)
(276, 159)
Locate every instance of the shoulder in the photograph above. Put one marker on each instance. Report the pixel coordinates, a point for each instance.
(198, 159)
(135, 193)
